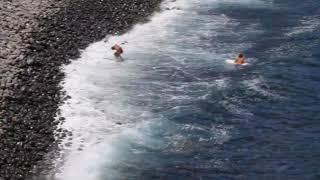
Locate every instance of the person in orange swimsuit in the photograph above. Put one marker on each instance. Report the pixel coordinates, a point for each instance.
(118, 50)
(239, 59)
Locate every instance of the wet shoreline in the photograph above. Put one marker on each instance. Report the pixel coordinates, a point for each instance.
(30, 80)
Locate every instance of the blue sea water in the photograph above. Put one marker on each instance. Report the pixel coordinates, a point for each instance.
(174, 109)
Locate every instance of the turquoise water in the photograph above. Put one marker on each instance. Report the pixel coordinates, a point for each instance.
(175, 109)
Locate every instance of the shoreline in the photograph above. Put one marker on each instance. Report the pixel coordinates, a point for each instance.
(28, 112)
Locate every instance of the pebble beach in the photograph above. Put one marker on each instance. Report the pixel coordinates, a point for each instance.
(37, 38)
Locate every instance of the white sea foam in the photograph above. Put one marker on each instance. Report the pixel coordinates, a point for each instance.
(98, 101)
(258, 85)
(109, 106)
(306, 25)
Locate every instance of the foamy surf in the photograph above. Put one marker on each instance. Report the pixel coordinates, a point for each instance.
(98, 114)
(174, 109)
(113, 106)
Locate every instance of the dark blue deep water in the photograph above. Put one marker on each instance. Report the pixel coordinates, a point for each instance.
(280, 138)
(211, 120)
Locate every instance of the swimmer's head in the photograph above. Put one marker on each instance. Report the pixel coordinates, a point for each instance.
(240, 55)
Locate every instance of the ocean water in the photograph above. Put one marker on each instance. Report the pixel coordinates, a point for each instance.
(175, 109)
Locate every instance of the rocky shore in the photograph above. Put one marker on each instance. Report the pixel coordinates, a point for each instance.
(37, 38)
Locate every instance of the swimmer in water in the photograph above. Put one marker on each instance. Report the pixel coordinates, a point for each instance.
(118, 50)
(239, 59)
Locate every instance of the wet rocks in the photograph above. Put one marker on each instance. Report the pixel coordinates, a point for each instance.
(38, 37)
